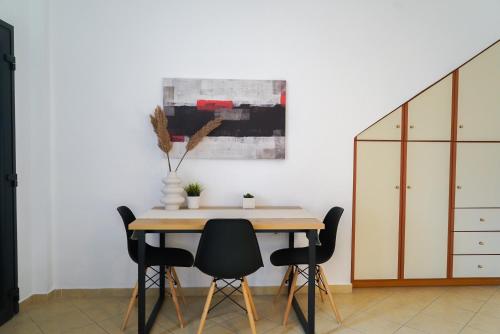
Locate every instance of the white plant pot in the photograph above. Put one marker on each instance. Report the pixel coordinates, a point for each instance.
(248, 203)
(174, 193)
(193, 202)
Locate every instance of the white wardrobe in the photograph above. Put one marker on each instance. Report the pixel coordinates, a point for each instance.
(427, 184)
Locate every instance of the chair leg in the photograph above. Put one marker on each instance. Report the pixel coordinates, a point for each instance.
(290, 296)
(174, 298)
(320, 285)
(207, 307)
(131, 303)
(252, 304)
(285, 278)
(178, 283)
(329, 295)
(248, 306)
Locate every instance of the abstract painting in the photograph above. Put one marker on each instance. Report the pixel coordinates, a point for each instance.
(253, 113)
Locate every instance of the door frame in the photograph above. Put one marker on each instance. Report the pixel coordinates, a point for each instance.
(15, 290)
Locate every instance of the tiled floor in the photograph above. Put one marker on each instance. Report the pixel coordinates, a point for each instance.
(440, 310)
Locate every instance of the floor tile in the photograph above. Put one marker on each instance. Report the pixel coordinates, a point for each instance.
(64, 322)
(490, 308)
(485, 323)
(367, 323)
(434, 325)
(408, 330)
(470, 330)
(91, 329)
(465, 302)
(26, 326)
(448, 312)
(50, 310)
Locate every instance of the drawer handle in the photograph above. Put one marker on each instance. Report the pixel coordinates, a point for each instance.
(396, 187)
(480, 266)
(459, 187)
(412, 126)
(481, 243)
(398, 126)
(408, 187)
(461, 126)
(482, 220)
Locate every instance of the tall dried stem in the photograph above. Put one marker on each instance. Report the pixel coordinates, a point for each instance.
(198, 137)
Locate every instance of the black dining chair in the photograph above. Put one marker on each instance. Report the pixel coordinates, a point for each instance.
(228, 251)
(293, 257)
(156, 256)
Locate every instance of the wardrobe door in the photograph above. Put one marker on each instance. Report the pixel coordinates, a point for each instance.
(478, 175)
(427, 197)
(388, 128)
(479, 97)
(377, 210)
(429, 113)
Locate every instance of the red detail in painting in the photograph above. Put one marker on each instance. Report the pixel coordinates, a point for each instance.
(283, 98)
(177, 138)
(212, 105)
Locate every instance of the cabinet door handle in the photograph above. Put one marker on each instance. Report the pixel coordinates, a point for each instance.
(398, 126)
(482, 220)
(481, 243)
(459, 187)
(396, 187)
(461, 126)
(408, 187)
(480, 266)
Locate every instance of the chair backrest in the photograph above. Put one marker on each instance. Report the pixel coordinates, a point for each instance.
(128, 217)
(328, 235)
(228, 248)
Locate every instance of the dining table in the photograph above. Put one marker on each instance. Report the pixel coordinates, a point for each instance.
(266, 219)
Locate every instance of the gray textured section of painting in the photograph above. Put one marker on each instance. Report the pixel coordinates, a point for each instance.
(253, 113)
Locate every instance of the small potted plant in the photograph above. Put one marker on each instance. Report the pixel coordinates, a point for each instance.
(193, 191)
(248, 201)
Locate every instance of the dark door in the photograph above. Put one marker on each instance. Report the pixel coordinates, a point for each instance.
(9, 292)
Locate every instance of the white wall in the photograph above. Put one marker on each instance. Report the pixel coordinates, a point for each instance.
(33, 151)
(346, 62)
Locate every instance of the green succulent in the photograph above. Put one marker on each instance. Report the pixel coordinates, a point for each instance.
(193, 189)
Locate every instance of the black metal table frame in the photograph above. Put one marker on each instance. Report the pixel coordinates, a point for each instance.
(145, 326)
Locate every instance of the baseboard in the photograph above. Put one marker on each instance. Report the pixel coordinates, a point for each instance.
(376, 283)
(124, 292)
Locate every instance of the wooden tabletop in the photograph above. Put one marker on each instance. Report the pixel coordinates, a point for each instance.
(262, 218)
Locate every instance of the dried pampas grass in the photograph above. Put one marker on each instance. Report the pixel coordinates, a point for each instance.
(199, 135)
(160, 122)
(202, 133)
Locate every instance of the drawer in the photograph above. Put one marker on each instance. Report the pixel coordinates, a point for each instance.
(476, 266)
(477, 220)
(476, 243)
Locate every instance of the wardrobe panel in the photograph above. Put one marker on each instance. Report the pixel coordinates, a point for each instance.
(479, 97)
(478, 175)
(429, 114)
(377, 210)
(427, 197)
(388, 128)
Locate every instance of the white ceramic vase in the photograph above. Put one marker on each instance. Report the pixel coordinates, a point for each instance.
(193, 202)
(173, 192)
(248, 203)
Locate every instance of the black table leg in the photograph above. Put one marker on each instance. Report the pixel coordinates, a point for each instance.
(143, 326)
(291, 239)
(162, 269)
(141, 279)
(307, 324)
(311, 295)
